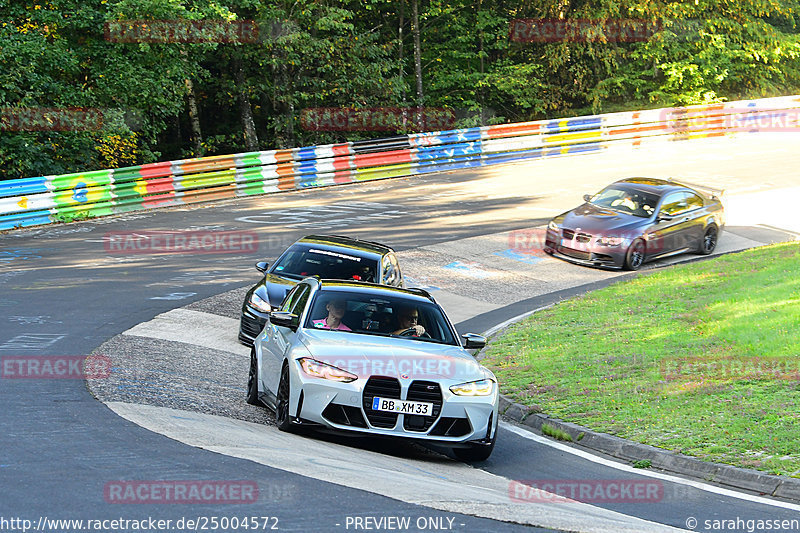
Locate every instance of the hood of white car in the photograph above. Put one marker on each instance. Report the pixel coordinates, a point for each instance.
(367, 355)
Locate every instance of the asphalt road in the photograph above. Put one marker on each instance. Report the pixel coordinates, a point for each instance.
(65, 293)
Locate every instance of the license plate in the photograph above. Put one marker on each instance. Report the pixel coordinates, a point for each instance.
(405, 407)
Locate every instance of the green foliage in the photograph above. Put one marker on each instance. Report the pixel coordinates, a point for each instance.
(55, 54)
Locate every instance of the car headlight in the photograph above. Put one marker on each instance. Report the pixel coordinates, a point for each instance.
(259, 303)
(552, 225)
(318, 369)
(483, 387)
(610, 241)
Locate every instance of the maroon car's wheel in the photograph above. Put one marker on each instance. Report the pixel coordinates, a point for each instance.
(634, 258)
(709, 240)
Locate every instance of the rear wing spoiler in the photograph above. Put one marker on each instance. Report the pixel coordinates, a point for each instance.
(715, 192)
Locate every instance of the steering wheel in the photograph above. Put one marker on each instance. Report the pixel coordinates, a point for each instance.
(412, 332)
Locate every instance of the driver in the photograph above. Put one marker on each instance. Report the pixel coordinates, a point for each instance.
(625, 201)
(407, 319)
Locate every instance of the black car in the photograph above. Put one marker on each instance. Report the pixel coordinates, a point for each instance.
(325, 256)
(637, 220)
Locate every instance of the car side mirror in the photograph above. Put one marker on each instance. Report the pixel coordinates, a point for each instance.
(587, 197)
(261, 266)
(473, 341)
(284, 319)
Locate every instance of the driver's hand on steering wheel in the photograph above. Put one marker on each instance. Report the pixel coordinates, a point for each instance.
(420, 331)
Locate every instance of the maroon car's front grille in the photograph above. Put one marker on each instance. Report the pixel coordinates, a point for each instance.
(569, 235)
(575, 254)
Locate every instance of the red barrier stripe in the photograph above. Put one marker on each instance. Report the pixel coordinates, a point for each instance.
(156, 170)
(341, 149)
(159, 185)
(382, 158)
(507, 130)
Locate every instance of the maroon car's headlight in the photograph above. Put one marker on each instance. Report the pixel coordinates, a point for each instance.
(318, 369)
(552, 225)
(610, 241)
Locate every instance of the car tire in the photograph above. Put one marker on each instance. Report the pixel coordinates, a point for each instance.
(252, 380)
(282, 418)
(634, 257)
(709, 242)
(476, 452)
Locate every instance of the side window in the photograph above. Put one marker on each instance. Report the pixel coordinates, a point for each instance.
(389, 274)
(693, 201)
(398, 281)
(674, 204)
(300, 300)
(290, 298)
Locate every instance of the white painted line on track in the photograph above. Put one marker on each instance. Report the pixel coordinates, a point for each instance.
(446, 485)
(527, 434)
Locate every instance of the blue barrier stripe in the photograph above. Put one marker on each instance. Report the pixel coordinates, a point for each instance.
(23, 186)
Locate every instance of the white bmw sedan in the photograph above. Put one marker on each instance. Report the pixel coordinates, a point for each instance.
(357, 357)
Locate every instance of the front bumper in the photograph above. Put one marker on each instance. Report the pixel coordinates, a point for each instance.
(585, 253)
(346, 407)
(250, 324)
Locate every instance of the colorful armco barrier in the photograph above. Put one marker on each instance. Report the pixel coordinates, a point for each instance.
(32, 201)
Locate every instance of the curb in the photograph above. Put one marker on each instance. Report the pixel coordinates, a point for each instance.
(728, 476)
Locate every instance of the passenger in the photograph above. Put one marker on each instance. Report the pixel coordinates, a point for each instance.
(336, 310)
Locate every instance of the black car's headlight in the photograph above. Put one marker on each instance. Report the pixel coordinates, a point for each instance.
(259, 303)
(484, 387)
(610, 241)
(552, 225)
(318, 369)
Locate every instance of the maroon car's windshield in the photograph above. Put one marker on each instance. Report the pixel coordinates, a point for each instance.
(626, 200)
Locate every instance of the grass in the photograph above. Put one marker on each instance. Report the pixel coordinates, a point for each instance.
(703, 359)
(556, 433)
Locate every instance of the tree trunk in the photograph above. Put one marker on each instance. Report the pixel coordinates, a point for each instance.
(417, 57)
(194, 119)
(245, 109)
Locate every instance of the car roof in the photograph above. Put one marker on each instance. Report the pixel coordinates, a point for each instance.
(341, 243)
(654, 185)
(363, 287)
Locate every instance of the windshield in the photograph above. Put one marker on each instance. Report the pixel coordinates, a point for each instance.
(626, 200)
(379, 315)
(301, 261)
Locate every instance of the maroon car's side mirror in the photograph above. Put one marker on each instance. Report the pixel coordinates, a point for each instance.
(587, 197)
